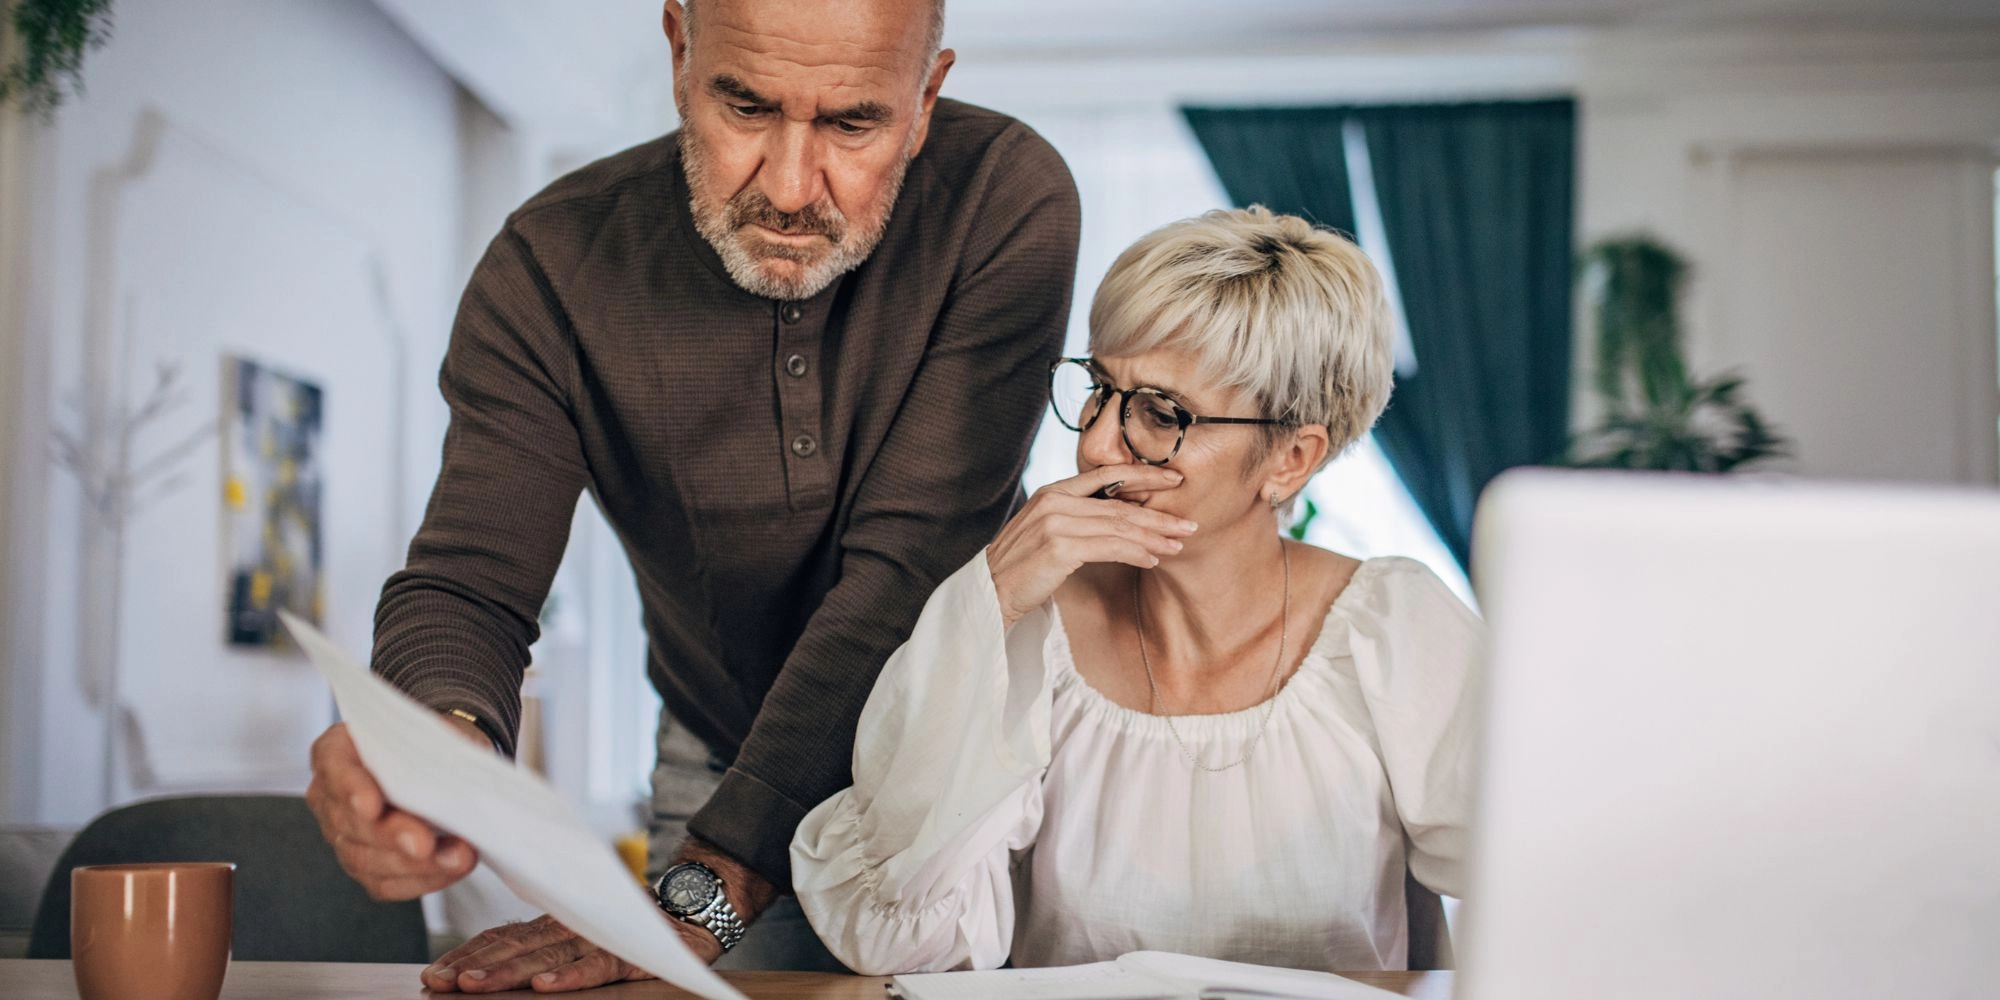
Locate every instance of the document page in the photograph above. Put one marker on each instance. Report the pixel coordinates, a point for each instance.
(1101, 981)
(1205, 975)
(519, 825)
(1138, 975)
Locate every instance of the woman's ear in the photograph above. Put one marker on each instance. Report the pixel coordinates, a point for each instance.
(1295, 461)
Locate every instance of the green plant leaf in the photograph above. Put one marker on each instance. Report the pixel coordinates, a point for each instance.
(1657, 414)
(47, 40)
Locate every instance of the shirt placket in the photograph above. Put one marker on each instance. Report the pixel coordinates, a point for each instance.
(808, 467)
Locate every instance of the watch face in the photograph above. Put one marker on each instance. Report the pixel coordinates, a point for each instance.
(688, 890)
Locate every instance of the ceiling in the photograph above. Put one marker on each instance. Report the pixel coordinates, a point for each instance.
(1210, 25)
(569, 63)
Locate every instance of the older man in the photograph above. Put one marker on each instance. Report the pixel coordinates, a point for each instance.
(796, 352)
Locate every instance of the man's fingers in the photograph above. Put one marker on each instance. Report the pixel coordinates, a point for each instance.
(367, 860)
(417, 839)
(396, 890)
(595, 968)
(443, 973)
(455, 854)
(516, 972)
(478, 970)
(337, 765)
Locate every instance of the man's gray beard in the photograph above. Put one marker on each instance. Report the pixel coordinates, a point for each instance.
(724, 231)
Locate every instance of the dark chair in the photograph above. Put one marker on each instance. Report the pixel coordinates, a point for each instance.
(1430, 938)
(293, 902)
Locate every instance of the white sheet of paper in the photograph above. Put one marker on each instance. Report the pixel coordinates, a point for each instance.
(1138, 975)
(1201, 974)
(519, 825)
(1097, 981)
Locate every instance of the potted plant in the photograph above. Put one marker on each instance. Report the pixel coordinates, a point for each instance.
(1657, 415)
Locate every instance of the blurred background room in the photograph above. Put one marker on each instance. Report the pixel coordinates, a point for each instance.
(231, 246)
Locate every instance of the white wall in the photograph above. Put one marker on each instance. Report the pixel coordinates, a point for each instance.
(236, 179)
(1658, 111)
(1834, 192)
(18, 704)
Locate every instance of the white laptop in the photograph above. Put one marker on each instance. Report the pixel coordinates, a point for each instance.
(1743, 741)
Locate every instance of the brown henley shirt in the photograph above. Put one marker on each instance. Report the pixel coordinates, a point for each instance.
(789, 479)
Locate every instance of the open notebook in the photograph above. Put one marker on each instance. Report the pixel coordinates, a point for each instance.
(1138, 975)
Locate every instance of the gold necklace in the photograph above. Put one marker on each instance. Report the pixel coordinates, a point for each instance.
(1270, 702)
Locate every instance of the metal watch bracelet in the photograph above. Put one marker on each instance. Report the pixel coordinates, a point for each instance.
(720, 919)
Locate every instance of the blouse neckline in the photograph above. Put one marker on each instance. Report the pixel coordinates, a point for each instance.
(1203, 726)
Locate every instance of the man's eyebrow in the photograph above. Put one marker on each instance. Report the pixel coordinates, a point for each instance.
(866, 111)
(727, 86)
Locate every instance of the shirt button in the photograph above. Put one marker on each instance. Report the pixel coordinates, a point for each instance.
(795, 366)
(804, 446)
(791, 312)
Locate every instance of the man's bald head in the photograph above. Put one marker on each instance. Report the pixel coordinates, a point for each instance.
(933, 37)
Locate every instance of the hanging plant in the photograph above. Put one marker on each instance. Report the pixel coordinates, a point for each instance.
(1656, 414)
(44, 48)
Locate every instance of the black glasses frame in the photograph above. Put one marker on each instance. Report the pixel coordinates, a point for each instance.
(1101, 390)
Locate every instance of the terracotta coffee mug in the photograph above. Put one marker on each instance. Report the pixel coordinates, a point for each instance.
(151, 932)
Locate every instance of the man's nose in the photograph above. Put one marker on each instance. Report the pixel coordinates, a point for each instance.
(792, 177)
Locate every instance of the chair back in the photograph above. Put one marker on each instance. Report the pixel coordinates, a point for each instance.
(293, 901)
(1430, 938)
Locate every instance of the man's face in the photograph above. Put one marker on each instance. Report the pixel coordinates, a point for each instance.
(798, 120)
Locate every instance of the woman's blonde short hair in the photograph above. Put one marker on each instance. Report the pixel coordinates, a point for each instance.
(1292, 315)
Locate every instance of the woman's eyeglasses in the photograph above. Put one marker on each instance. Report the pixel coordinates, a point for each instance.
(1154, 425)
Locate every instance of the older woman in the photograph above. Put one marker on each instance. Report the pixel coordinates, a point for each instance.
(1141, 718)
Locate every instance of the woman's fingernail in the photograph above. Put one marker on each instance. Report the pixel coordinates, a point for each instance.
(476, 975)
(1177, 477)
(410, 844)
(546, 979)
(1177, 545)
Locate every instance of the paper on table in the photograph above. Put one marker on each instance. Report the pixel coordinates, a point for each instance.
(1214, 974)
(1137, 975)
(1097, 981)
(521, 828)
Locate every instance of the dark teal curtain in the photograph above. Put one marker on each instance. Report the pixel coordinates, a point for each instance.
(1477, 205)
(1288, 160)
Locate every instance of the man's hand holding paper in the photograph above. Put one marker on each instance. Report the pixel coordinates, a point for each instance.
(518, 825)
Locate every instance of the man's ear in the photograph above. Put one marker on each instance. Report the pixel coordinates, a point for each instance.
(673, 21)
(945, 59)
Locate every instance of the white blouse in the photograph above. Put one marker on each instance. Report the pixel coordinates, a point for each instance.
(1003, 807)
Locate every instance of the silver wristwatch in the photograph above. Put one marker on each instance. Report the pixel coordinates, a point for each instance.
(692, 891)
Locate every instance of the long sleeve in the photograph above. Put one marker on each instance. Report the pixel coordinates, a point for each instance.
(908, 870)
(453, 627)
(943, 482)
(1418, 652)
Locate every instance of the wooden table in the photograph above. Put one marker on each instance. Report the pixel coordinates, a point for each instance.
(32, 980)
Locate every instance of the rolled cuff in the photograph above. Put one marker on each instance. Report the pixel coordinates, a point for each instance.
(753, 823)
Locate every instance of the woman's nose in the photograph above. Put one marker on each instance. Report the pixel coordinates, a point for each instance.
(1102, 443)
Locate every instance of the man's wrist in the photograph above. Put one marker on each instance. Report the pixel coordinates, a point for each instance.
(474, 727)
(748, 892)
